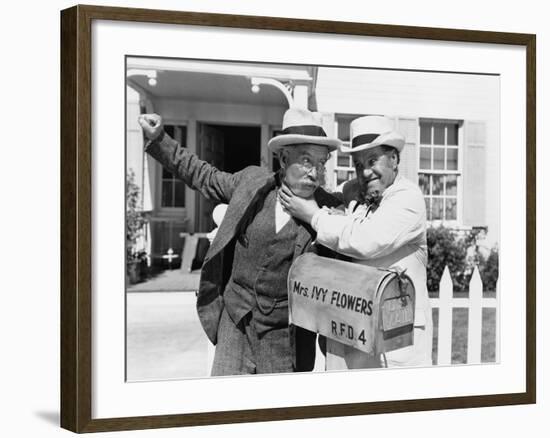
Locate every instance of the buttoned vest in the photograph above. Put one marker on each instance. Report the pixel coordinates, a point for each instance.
(261, 262)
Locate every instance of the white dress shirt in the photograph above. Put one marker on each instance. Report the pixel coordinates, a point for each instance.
(281, 216)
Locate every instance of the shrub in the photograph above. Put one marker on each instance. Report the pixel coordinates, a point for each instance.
(459, 251)
(134, 216)
(446, 248)
(488, 269)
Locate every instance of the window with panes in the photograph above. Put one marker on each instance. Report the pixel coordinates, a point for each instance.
(344, 169)
(439, 168)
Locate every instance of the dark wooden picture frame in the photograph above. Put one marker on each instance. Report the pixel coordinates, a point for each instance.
(76, 218)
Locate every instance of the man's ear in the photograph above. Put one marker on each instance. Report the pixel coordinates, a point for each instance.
(283, 157)
(394, 159)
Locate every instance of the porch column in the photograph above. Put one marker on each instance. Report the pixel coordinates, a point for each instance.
(300, 95)
(265, 157)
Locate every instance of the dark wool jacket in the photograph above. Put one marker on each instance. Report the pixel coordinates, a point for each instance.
(241, 191)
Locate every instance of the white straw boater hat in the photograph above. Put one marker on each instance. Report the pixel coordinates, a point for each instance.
(302, 126)
(371, 131)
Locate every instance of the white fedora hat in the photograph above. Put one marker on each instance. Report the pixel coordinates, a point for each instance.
(371, 131)
(302, 126)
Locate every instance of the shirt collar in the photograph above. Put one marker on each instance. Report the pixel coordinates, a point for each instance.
(392, 188)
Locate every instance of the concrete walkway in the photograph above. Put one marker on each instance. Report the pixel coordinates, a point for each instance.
(164, 337)
(175, 280)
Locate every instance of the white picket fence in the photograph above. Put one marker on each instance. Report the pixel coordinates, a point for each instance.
(475, 303)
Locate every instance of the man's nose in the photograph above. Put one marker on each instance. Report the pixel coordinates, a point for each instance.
(313, 172)
(368, 174)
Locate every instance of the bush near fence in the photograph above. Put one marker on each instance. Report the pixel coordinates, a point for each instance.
(459, 251)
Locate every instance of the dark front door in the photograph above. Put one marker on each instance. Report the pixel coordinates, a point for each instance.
(211, 149)
(230, 148)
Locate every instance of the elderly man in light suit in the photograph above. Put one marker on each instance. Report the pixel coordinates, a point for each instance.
(384, 227)
(242, 301)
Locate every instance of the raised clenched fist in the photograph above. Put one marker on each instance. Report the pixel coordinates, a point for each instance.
(151, 124)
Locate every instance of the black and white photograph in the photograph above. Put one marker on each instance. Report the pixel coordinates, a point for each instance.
(293, 218)
(275, 219)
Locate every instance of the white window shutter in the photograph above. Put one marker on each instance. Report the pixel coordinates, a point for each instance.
(474, 171)
(408, 167)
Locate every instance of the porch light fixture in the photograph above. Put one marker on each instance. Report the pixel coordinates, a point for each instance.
(151, 75)
(256, 82)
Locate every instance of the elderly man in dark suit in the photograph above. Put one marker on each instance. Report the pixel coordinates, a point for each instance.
(242, 301)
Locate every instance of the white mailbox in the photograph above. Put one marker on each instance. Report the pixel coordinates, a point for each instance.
(367, 308)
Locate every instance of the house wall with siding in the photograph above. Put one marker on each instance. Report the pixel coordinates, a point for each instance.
(407, 96)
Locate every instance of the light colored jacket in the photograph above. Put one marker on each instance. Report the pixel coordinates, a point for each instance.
(392, 236)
